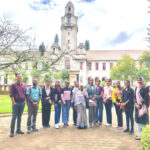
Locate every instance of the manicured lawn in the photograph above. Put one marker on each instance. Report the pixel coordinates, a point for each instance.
(6, 105)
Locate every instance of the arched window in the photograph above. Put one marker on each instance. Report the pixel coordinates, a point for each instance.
(69, 19)
(69, 9)
(67, 64)
(53, 50)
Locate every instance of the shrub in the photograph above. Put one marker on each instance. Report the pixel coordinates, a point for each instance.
(145, 137)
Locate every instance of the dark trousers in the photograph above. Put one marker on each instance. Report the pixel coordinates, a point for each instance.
(74, 114)
(57, 113)
(17, 111)
(32, 113)
(119, 116)
(46, 111)
(108, 107)
(99, 110)
(129, 116)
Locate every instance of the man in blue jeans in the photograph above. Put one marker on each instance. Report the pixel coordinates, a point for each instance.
(18, 95)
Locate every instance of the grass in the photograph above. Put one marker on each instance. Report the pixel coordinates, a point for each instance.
(6, 105)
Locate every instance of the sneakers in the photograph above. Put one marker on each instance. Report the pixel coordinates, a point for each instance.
(108, 124)
(137, 138)
(28, 131)
(57, 126)
(126, 130)
(11, 135)
(34, 129)
(131, 132)
(120, 128)
(19, 132)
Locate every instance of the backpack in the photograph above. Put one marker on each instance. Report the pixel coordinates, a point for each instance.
(31, 88)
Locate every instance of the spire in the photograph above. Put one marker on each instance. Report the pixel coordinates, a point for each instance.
(69, 9)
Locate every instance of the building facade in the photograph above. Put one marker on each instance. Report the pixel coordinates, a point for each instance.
(81, 64)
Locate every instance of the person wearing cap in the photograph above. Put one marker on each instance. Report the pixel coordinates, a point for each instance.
(57, 101)
(141, 105)
(66, 97)
(34, 96)
(116, 97)
(18, 96)
(47, 96)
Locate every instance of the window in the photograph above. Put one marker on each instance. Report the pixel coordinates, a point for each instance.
(67, 64)
(69, 19)
(96, 66)
(104, 66)
(89, 66)
(69, 9)
(68, 48)
(53, 50)
(81, 65)
(68, 33)
(68, 41)
(111, 64)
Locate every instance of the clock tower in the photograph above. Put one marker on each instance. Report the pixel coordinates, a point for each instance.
(69, 29)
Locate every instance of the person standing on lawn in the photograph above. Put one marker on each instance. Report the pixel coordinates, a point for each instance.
(99, 107)
(18, 96)
(91, 94)
(141, 105)
(57, 101)
(34, 94)
(74, 89)
(128, 105)
(66, 102)
(116, 97)
(47, 96)
(107, 99)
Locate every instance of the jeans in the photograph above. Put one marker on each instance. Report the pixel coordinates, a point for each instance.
(140, 129)
(108, 107)
(57, 113)
(17, 111)
(74, 115)
(46, 111)
(119, 116)
(92, 115)
(99, 110)
(32, 112)
(65, 111)
(129, 116)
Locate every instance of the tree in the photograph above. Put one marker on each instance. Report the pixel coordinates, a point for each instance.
(56, 40)
(87, 45)
(15, 44)
(65, 75)
(42, 48)
(124, 69)
(144, 60)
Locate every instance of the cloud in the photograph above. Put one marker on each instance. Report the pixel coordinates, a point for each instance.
(106, 24)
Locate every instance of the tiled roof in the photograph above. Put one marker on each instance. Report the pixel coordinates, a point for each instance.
(112, 54)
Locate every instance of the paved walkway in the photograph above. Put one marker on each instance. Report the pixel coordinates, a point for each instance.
(99, 138)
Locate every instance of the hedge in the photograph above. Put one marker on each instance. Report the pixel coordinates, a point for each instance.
(145, 137)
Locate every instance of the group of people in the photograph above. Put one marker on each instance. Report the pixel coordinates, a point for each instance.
(93, 98)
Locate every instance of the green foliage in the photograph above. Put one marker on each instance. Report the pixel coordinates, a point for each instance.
(57, 75)
(35, 73)
(56, 40)
(145, 59)
(87, 44)
(145, 137)
(145, 73)
(124, 69)
(65, 75)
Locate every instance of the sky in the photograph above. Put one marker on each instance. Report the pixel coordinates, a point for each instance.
(107, 24)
